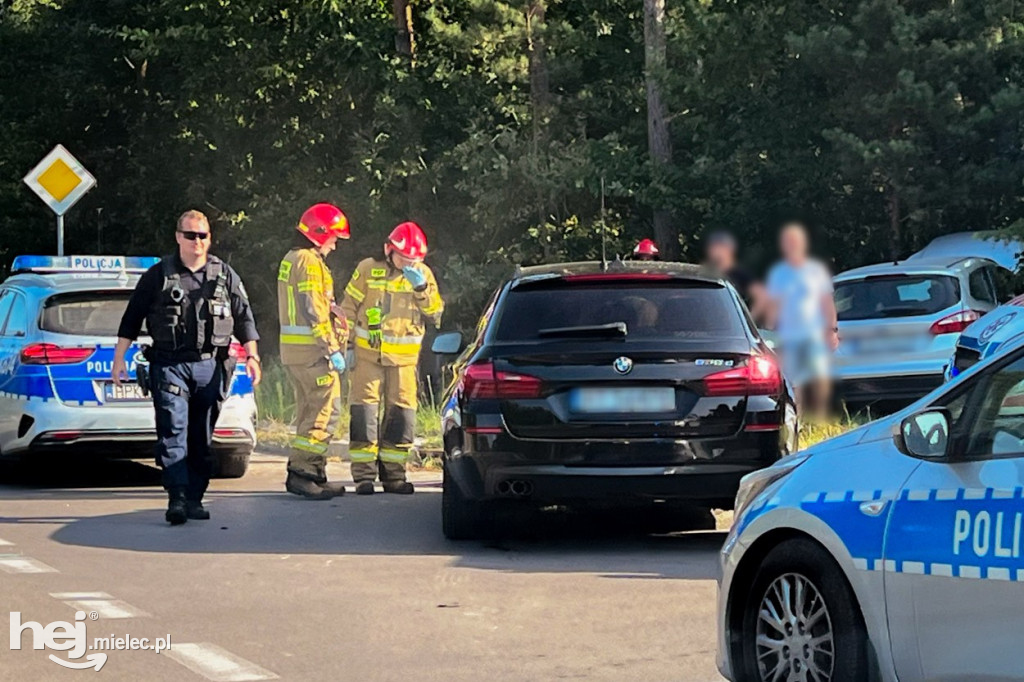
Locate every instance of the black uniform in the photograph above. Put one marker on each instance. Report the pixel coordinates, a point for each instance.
(191, 317)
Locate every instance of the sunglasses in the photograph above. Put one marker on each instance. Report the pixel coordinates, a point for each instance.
(192, 236)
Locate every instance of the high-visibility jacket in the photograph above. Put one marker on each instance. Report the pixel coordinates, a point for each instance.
(305, 294)
(379, 301)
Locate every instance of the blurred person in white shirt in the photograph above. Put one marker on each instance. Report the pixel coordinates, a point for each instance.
(803, 314)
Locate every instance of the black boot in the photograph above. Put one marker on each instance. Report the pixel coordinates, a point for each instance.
(305, 487)
(177, 513)
(398, 487)
(195, 510)
(335, 488)
(364, 488)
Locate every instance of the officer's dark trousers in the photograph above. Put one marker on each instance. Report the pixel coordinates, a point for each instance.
(187, 397)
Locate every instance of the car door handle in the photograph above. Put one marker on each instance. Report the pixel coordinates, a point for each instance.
(873, 507)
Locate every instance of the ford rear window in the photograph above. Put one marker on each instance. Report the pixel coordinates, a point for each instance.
(94, 313)
(650, 310)
(895, 296)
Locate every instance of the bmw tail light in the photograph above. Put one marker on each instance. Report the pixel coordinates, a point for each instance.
(955, 323)
(760, 376)
(481, 381)
(52, 354)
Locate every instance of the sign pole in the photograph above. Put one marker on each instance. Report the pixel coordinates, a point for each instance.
(60, 234)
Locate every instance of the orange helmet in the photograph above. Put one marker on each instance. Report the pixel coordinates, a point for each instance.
(408, 240)
(320, 222)
(646, 247)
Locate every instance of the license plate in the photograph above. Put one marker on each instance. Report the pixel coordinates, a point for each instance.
(622, 400)
(886, 345)
(113, 393)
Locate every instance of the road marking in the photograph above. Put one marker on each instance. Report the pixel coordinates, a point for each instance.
(4, 543)
(101, 603)
(16, 563)
(216, 664)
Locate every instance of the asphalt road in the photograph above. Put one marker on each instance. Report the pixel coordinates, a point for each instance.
(359, 588)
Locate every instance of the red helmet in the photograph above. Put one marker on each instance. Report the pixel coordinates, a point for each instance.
(320, 222)
(646, 247)
(408, 240)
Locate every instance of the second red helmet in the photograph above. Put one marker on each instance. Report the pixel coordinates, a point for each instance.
(408, 240)
(320, 222)
(646, 247)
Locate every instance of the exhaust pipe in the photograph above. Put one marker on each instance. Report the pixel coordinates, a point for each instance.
(514, 488)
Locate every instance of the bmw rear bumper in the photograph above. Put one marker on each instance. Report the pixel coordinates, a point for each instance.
(711, 481)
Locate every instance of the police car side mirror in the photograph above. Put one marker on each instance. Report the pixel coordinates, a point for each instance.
(925, 434)
(447, 344)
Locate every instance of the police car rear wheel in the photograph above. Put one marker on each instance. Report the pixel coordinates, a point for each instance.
(461, 519)
(801, 621)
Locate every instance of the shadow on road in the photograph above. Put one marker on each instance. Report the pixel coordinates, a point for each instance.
(78, 473)
(266, 522)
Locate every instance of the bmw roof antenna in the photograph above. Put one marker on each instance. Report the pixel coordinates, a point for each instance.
(604, 256)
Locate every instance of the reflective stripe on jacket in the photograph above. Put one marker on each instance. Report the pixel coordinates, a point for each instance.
(305, 294)
(401, 312)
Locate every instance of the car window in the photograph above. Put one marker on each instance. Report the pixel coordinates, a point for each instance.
(17, 320)
(980, 285)
(895, 296)
(650, 310)
(91, 313)
(6, 301)
(997, 429)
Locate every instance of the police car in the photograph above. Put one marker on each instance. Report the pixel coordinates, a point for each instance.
(58, 327)
(891, 552)
(986, 336)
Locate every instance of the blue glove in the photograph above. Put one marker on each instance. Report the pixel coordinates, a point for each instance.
(337, 360)
(416, 278)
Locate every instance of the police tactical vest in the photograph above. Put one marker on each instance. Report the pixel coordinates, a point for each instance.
(167, 321)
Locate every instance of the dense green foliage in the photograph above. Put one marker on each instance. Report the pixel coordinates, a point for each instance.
(883, 122)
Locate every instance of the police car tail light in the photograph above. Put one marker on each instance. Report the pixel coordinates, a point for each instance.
(52, 354)
(480, 380)
(237, 351)
(955, 323)
(760, 376)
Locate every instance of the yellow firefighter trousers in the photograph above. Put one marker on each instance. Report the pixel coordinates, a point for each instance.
(317, 396)
(370, 380)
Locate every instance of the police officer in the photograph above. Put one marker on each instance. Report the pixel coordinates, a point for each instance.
(192, 303)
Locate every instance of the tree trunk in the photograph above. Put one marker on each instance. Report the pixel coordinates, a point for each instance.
(405, 42)
(894, 224)
(659, 144)
(539, 92)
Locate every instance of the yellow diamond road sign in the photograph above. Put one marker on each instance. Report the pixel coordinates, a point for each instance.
(59, 180)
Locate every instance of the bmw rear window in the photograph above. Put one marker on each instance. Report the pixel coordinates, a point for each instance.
(895, 296)
(650, 310)
(94, 313)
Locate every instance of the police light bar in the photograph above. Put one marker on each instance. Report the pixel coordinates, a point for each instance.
(83, 263)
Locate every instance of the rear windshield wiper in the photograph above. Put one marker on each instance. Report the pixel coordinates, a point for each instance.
(610, 329)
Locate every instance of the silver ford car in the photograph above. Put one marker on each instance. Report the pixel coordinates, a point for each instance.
(899, 323)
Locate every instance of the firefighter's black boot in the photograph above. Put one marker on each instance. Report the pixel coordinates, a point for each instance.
(335, 488)
(364, 488)
(177, 513)
(195, 510)
(399, 487)
(305, 487)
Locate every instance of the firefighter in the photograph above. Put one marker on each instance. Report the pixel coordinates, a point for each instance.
(646, 249)
(386, 304)
(312, 347)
